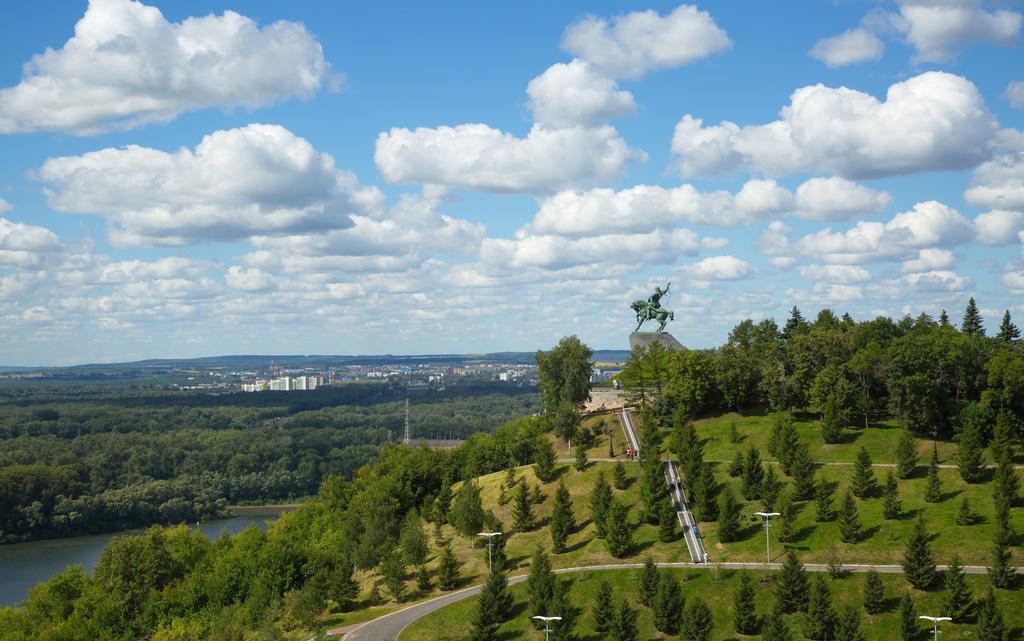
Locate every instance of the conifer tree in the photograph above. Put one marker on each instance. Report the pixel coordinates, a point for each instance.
(957, 600)
(496, 556)
(1007, 483)
(698, 621)
(667, 528)
(603, 612)
(443, 501)
(753, 474)
(1008, 332)
(540, 584)
(991, 626)
(668, 604)
(820, 623)
(972, 324)
(704, 494)
(600, 499)
(831, 422)
(849, 518)
(620, 476)
(918, 564)
(448, 571)
(848, 625)
(581, 456)
(791, 585)
(803, 473)
(392, 569)
(624, 628)
(965, 515)
(619, 531)
(734, 436)
(744, 607)
(970, 457)
(1001, 573)
(342, 586)
(510, 477)
(413, 540)
(422, 578)
(648, 581)
(770, 488)
(874, 593)
(544, 459)
(909, 630)
(891, 505)
(864, 484)
(736, 467)
(467, 515)
(728, 516)
(793, 324)
(787, 518)
(522, 509)
(562, 607)
(823, 507)
(563, 521)
(494, 605)
(933, 486)
(906, 454)
(944, 319)
(775, 628)
(653, 489)
(502, 495)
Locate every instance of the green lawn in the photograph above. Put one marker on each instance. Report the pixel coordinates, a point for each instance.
(451, 623)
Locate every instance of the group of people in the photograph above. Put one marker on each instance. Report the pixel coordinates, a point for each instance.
(631, 454)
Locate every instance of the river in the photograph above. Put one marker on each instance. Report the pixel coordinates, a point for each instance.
(23, 565)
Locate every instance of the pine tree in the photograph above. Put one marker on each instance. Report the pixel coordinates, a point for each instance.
(624, 628)
(496, 555)
(864, 484)
(392, 569)
(728, 516)
(448, 571)
(704, 495)
(536, 495)
(789, 443)
(775, 628)
(494, 605)
(600, 499)
(648, 581)
(562, 607)
(791, 585)
(966, 516)
(918, 564)
(467, 515)
(667, 528)
(803, 473)
(793, 324)
(823, 508)
(1007, 484)
(603, 612)
(619, 531)
(971, 453)
(620, 476)
(698, 621)
(736, 467)
(849, 519)
(1008, 332)
(957, 602)
(972, 325)
(734, 436)
(510, 477)
(744, 607)
(991, 626)
(502, 495)
(653, 489)
(944, 319)
(522, 509)
(933, 487)
(544, 459)
(906, 454)
(848, 625)
(770, 488)
(874, 593)
(831, 423)
(540, 584)
(563, 522)
(820, 623)
(1001, 573)
(422, 578)
(909, 630)
(443, 501)
(788, 511)
(342, 585)
(891, 505)
(413, 540)
(581, 456)
(667, 604)
(753, 474)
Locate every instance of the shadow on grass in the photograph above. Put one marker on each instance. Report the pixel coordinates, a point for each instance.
(578, 545)
(867, 533)
(949, 495)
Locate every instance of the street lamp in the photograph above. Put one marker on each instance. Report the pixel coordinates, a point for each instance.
(767, 540)
(547, 624)
(490, 538)
(935, 623)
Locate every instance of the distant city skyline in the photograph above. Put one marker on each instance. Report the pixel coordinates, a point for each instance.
(198, 178)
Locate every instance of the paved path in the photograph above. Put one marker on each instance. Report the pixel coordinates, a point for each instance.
(390, 626)
(627, 428)
(689, 524)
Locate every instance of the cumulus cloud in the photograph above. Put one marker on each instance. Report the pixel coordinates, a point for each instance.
(127, 65)
(929, 259)
(999, 227)
(933, 121)
(476, 156)
(567, 95)
(630, 45)
(1015, 93)
(25, 245)
(259, 179)
(836, 198)
(718, 268)
(559, 252)
(849, 47)
(835, 273)
(998, 183)
(1014, 280)
(938, 29)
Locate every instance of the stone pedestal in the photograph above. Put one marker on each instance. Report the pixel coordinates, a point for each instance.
(645, 339)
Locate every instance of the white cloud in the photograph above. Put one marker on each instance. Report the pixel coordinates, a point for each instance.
(559, 252)
(567, 95)
(838, 199)
(999, 227)
(25, 245)
(251, 280)
(1015, 93)
(106, 272)
(259, 179)
(938, 29)
(930, 259)
(934, 121)
(1014, 280)
(127, 65)
(476, 156)
(5, 206)
(36, 314)
(630, 45)
(718, 268)
(835, 273)
(849, 47)
(998, 183)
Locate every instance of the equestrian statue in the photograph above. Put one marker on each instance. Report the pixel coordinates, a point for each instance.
(651, 309)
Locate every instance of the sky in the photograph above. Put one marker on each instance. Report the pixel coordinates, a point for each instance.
(190, 178)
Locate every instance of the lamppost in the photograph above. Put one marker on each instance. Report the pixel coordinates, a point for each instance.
(490, 538)
(935, 623)
(767, 540)
(547, 624)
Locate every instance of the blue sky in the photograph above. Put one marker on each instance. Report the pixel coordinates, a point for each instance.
(196, 178)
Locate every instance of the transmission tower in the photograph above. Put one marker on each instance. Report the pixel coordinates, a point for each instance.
(408, 435)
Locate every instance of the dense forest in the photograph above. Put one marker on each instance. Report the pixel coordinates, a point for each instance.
(105, 460)
(934, 377)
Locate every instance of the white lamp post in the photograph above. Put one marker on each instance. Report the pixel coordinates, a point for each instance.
(935, 624)
(767, 540)
(547, 624)
(490, 538)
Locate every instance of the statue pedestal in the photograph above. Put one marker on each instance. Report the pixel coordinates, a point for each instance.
(645, 339)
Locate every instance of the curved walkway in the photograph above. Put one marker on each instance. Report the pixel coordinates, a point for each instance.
(390, 626)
